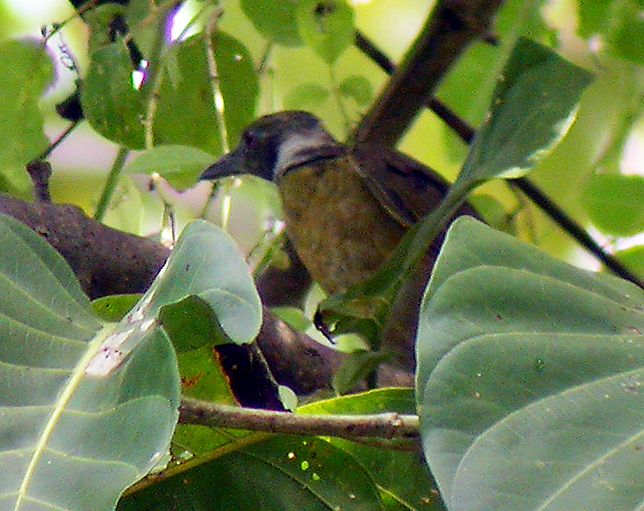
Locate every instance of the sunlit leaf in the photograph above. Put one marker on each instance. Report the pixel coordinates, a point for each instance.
(25, 72)
(401, 476)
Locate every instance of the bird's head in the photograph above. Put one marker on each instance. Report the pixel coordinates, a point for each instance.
(275, 144)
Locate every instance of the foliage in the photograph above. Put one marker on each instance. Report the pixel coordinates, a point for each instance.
(529, 370)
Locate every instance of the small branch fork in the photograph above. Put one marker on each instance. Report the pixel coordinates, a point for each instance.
(388, 426)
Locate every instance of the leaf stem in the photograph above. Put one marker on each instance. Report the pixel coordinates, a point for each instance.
(110, 183)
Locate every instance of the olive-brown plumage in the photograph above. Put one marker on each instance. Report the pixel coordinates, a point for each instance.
(346, 208)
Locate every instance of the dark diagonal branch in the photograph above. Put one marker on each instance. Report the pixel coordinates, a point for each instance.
(533, 192)
(450, 28)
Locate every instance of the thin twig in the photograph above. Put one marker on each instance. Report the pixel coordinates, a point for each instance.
(538, 197)
(384, 425)
(110, 183)
(213, 75)
(45, 154)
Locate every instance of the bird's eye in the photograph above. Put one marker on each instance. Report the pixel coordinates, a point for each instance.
(250, 139)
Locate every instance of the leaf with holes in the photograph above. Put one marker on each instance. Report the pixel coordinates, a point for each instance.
(529, 379)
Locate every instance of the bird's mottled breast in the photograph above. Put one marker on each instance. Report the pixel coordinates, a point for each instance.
(339, 229)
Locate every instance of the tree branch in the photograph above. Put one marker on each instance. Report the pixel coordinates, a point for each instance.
(451, 27)
(386, 425)
(536, 195)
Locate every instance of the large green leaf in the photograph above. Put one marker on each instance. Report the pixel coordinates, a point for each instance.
(80, 420)
(283, 473)
(529, 376)
(25, 71)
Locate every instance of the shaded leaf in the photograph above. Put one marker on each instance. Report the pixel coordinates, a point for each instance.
(283, 473)
(528, 377)
(25, 72)
(356, 367)
(615, 203)
(402, 477)
(326, 26)
(111, 103)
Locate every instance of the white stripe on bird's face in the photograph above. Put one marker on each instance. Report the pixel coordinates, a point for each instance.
(298, 148)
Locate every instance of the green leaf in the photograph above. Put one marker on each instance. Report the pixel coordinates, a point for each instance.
(275, 20)
(401, 476)
(326, 26)
(356, 367)
(594, 17)
(358, 88)
(109, 99)
(306, 96)
(186, 111)
(633, 258)
(180, 165)
(528, 378)
(294, 317)
(204, 294)
(283, 473)
(25, 72)
(627, 30)
(615, 203)
(114, 308)
(80, 420)
(533, 106)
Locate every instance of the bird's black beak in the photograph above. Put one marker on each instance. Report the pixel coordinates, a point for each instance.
(231, 164)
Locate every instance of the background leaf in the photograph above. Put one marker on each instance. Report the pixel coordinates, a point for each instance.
(274, 20)
(326, 26)
(560, 422)
(306, 96)
(25, 72)
(186, 97)
(61, 418)
(180, 165)
(615, 203)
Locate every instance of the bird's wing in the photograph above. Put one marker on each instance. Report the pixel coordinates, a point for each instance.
(406, 188)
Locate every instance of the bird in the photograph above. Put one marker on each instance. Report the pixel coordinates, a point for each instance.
(346, 207)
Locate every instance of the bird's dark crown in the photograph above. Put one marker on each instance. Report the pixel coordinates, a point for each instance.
(275, 144)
